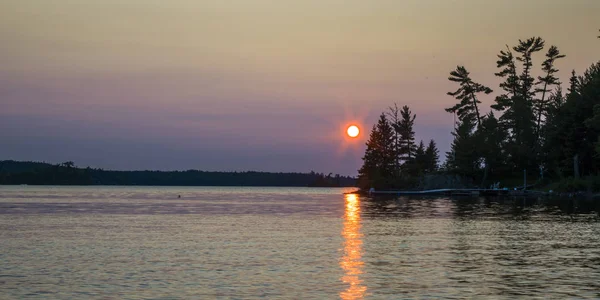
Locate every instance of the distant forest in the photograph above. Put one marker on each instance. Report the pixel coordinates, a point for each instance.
(36, 173)
(534, 128)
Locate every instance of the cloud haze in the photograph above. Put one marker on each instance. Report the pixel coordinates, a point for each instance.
(250, 85)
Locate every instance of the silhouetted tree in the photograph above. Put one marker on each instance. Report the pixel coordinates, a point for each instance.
(526, 49)
(554, 125)
(467, 107)
(395, 122)
(407, 135)
(506, 61)
(573, 84)
(490, 142)
(516, 103)
(572, 131)
(379, 159)
(431, 157)
(547, 81)
(419, 163)
(463, 158)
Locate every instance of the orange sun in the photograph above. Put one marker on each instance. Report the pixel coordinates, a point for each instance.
(353, 131)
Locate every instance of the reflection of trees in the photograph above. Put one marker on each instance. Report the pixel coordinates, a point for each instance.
(517, 208)
(472, 246)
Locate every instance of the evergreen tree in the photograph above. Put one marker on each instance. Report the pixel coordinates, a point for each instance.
(394, 119)
(407, 135)
(550, 154)
(431, 157)
(574, 135)
(463, 158)
(547, 82)
(466, 95)
(573, 84)
(490, 139)
(526, 49)
(420, 162)
(379, 159)
(506, 61)
(517, 103)
(593, 123)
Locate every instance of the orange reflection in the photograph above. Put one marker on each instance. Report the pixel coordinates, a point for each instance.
(352, 262)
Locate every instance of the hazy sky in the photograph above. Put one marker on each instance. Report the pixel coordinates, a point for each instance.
(253, 84)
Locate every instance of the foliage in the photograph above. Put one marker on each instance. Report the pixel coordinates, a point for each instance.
(463, 157)
(467, 107)
(548, 80)
(539, 130)
(405, 129)
(13, 172)
(380, 156)
(392, 160)
(431, 158)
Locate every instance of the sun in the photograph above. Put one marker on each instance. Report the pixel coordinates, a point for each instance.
(353, 131)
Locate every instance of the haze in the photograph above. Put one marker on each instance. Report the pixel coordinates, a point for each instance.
(251, 85)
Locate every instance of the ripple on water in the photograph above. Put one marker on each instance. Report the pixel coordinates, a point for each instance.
(285, 243)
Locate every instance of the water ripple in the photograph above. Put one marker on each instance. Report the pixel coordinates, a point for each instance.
(137, 243)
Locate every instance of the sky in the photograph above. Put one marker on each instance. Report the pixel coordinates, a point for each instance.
(265, 85)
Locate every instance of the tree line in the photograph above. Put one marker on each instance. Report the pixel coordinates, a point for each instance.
(392, 158)
(34, 173)
(533, 127)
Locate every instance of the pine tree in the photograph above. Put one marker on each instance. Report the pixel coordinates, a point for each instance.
(574, 136)
(394, 119)
(556, 101)
(526, 49)
(466, 94)
(553, 128)
(432, 157)
(547, 81)
(490, 138)
(379, 159)
(463, 158)
(407, 135)
(511, 83)
(593, 123)
(573, 84)
(517, 103)
(419, 163)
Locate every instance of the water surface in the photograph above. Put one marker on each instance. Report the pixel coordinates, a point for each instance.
(205, 242)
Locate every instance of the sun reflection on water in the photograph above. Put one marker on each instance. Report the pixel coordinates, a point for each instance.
(351, 262)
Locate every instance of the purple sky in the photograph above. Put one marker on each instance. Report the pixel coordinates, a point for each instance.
(251, 85)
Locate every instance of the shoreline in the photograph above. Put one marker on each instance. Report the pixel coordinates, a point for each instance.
(478, 193)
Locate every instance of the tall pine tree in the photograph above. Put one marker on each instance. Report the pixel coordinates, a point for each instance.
(379, 159)
(418, 165)
(466, 94)
(407, 135)
(431, 157)
(517, 102)
(394, 119)
(547, 81)
(463, 158)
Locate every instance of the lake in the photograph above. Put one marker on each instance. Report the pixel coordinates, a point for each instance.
(298, 243)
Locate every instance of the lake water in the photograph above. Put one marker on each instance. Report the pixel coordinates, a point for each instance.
(298, 243)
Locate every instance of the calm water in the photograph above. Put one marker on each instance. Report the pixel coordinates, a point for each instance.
(299, 243)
